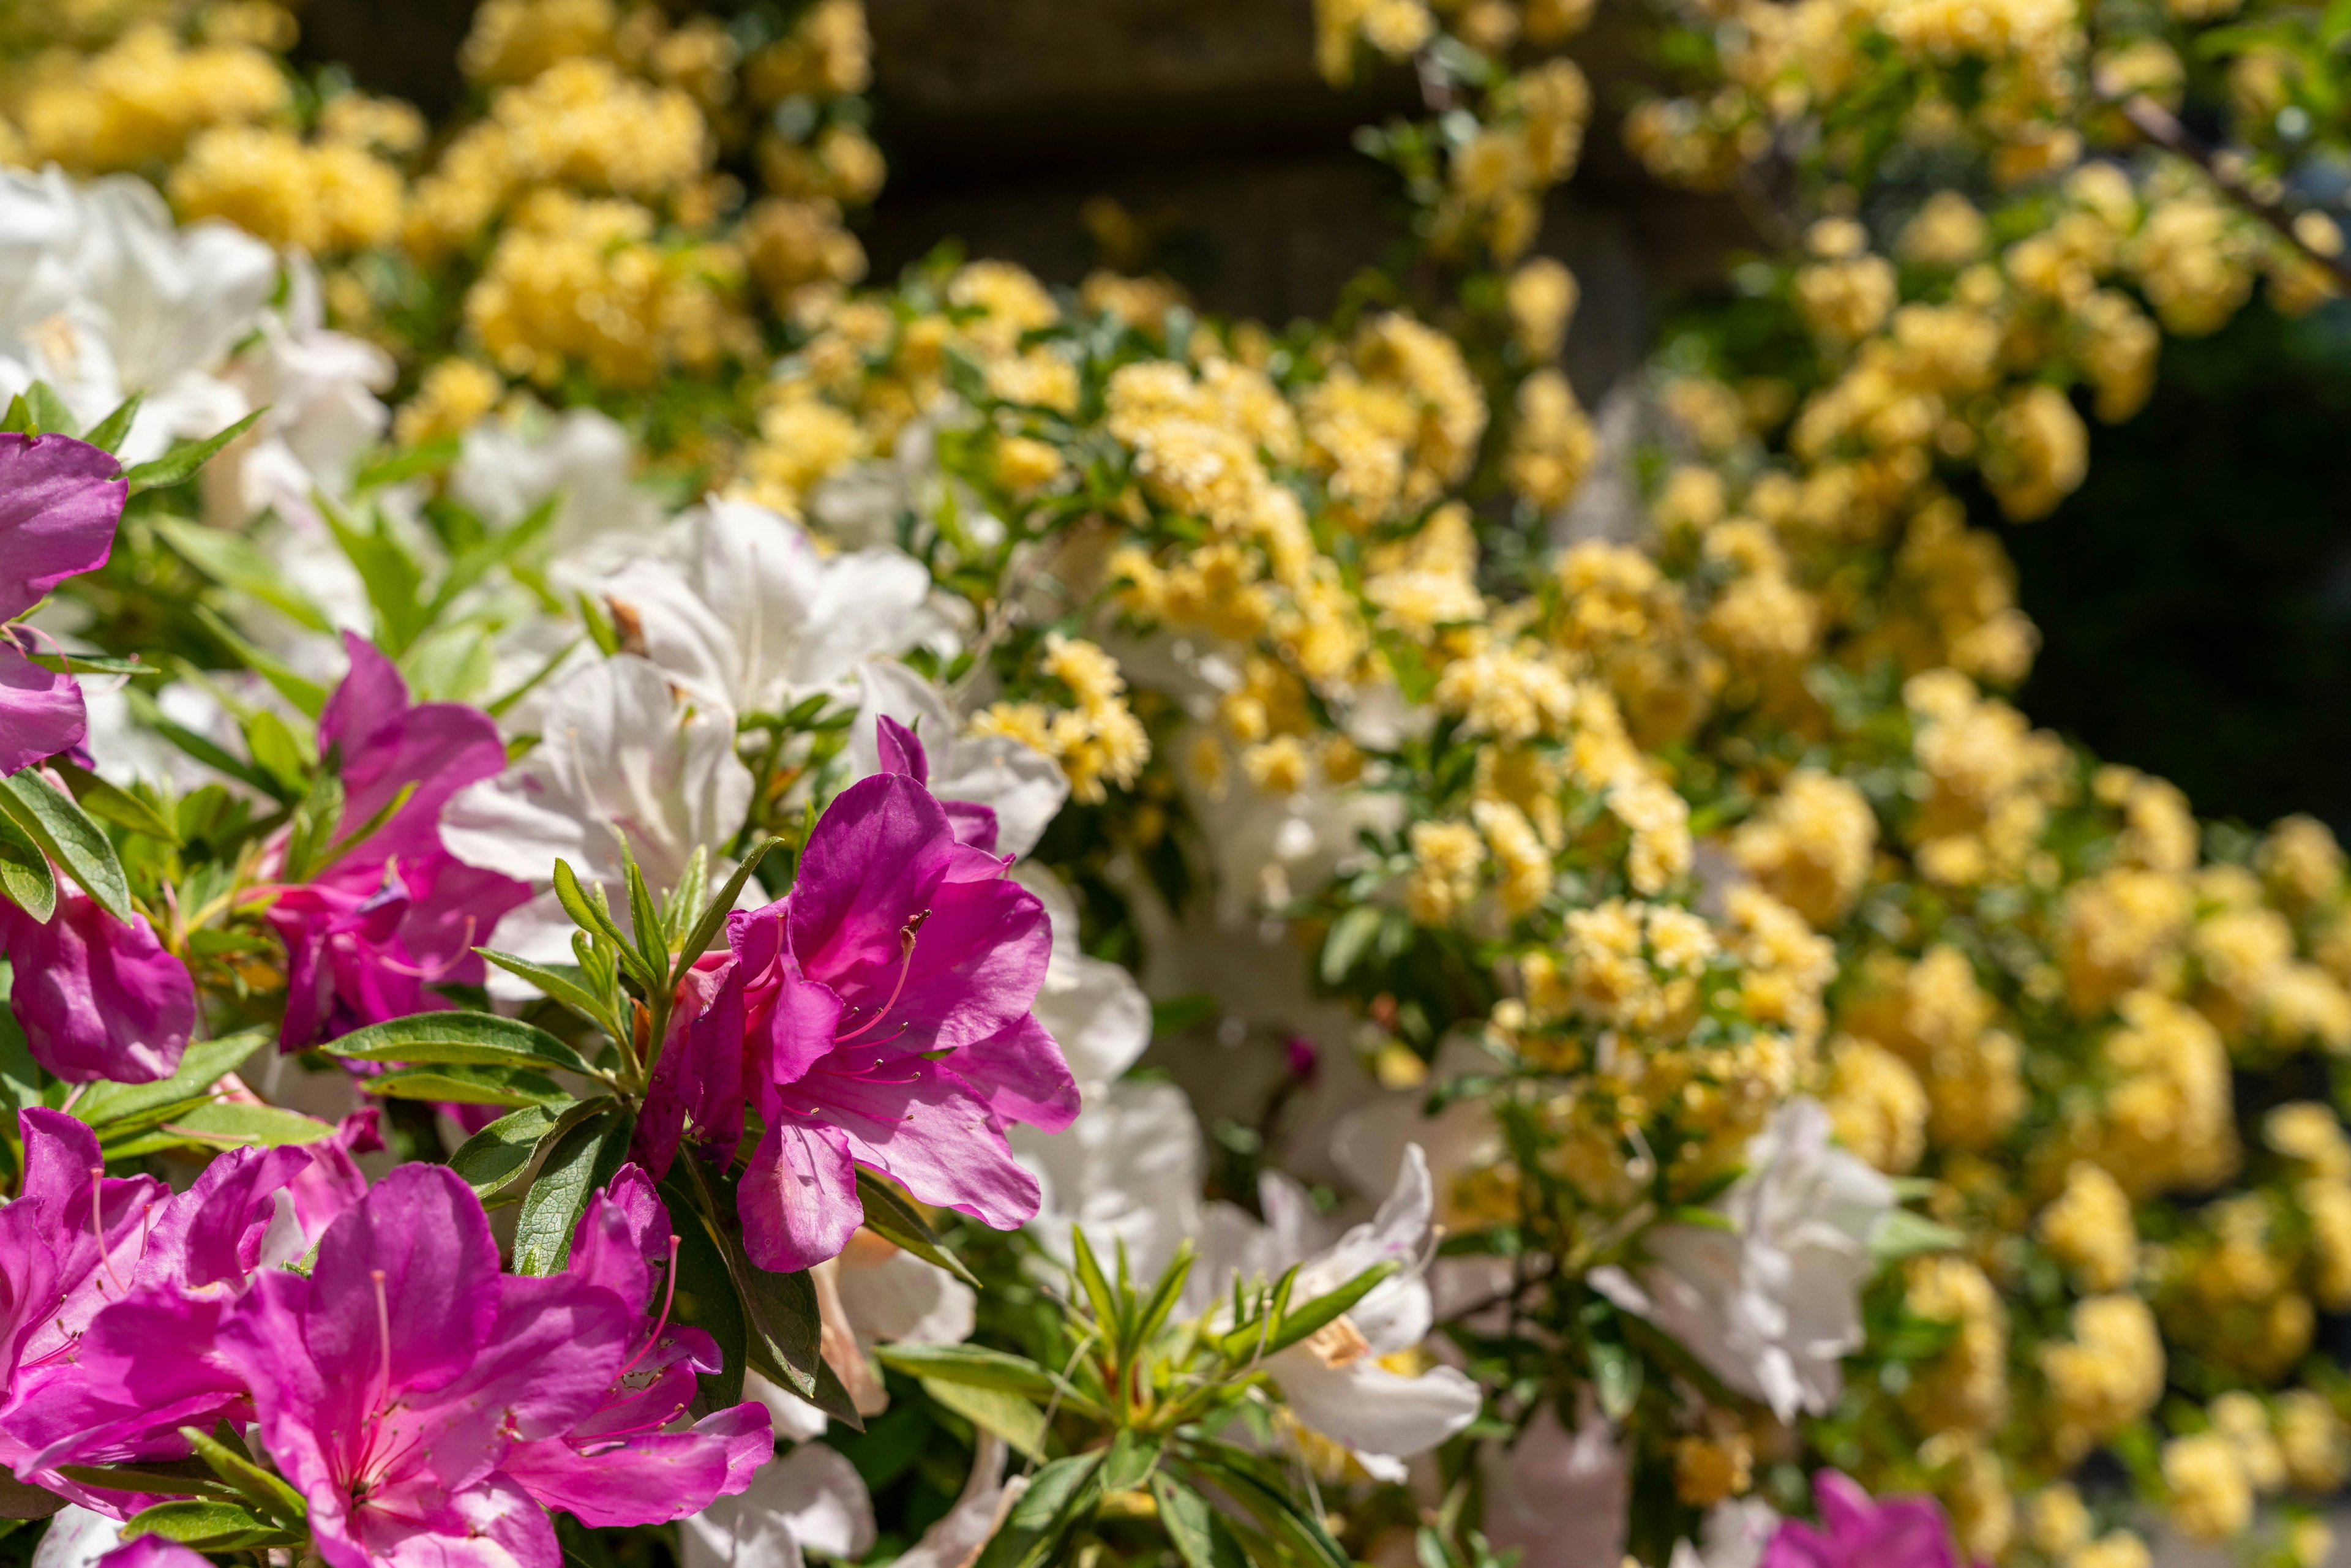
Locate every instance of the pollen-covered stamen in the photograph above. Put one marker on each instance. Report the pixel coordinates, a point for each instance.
(669, 1297)
(906, 935)
(98, 1226)
(382, 1333)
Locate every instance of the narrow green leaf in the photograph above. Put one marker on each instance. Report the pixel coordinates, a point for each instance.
(1059, 1497)
(281, 753)
(562, 985)
(1900, 1233)
(1097, 1289)
(391, 577)
(204, 750)
(1198, 1533)
(465, 1084)
(1166, 1295)
(112, 803)
(236, 563)
(303, 693)
(18, 420)
(714, 913)
(480, 1039)
(974, 1365)
(107, 432)
(1323, 1311)
(496, 707)
(473, 564)
(203, 1063)
(1130, 1461)
(1007, 1414)
(224, 1125)
(1350, 935)
(67, 836)
(183, 1477)
(50, 410)
(786, 1342)
(583, 1159)
(180, 464)
(355, 837)
(24, 873)
(268, 1492)
(644, 918)
(890, 1215)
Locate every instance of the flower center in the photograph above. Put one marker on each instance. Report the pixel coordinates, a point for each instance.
(1338, 1343)
(906, 935)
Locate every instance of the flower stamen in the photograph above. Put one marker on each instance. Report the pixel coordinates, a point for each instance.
(906, 965)
(98, 1226)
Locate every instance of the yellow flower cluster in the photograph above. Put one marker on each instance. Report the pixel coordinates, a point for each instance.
(1098, 741)
(321, 197)
(138, 103)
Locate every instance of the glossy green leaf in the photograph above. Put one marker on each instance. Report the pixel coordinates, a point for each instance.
(582, 1160)
(25, 877)
(201, 1065)
(1016, 1420)
(892, 1215)
(480, 1039)
(463, 1085)
(180, 464)
(112, 803)
(236, 563)
(65, 833)
(1197, 1531)
(1059, 1497)
(107, 432)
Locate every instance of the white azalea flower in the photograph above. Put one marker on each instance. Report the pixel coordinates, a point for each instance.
(1770, 1304)
(319, 387)
(106, 296)
(979, 1513)
(751, 614)
(1559, 1497)
(1127, 1172)
(1335, 1381)
(1020, 784)
(1091, 1007)
(507, 465)
(77, 1538)
(873, 1293)
(619, 755)
(810, 1499)
(1737, 1532)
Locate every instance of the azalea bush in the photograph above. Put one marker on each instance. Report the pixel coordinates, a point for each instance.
(621, 850)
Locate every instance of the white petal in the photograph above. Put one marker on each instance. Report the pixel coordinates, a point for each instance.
(77, 1538)
(987, 1497)
(900, 1298)
(811, 1497)
(1368, 1408)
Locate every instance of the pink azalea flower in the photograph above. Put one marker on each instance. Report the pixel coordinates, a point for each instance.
(367, 936)
(143, 1360)
(1856, 1531)
(879, 1016)
(59, 501)
(98, 998)
(618, 1465)
(392, 1384)
(154, 1552)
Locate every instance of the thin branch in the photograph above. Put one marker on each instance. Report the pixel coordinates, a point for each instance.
(2163, 127)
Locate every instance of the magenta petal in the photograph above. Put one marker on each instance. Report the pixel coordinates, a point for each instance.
(154, 1552)
(424, 1230)
(1021, 1074)
(59, 501)
(493, 1523)
(798, 1199)
(930, 1133)
(98, 998)
(974, 823)
(697, 1082)
(873, 862)
(621, 1237)
(900, 751)
(384, 743)
(41, 711)
(652, 1478)
(801, 1024)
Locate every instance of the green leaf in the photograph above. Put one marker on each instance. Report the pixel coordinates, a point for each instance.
(1059, 1497)
(303, 693)
(67, 836)
(582, 1160)
(1899, 1233)
(714, 914)
(226, 1124)
(1198, 1533)
(170, 1477)
(203, 749)
(1011, 1418)
(390, 576)
(24, 874)
(890, 1215)
(786, 1342)
(469, 1038)
(107, 432)
(180, 464)
(644, 918)
(588, 914)
(473, 564)
(20, 1501)
(236, 563)
(1316, 1315)
(1105, 1305)
(496, 707)
(111, 803)
(313, 826)
(427, 458)
(1164, 1296)
(462, 1084)
(706, 1298)
(1617, 1376)
(268, 1493)
(209, 1525)
(201, 1066)
(499, 1156)
(974, 1365)
(1235, 1474)
(562, 985)
(1130, 1461)
(18, 420)
(49, 411)
(1350, 935)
